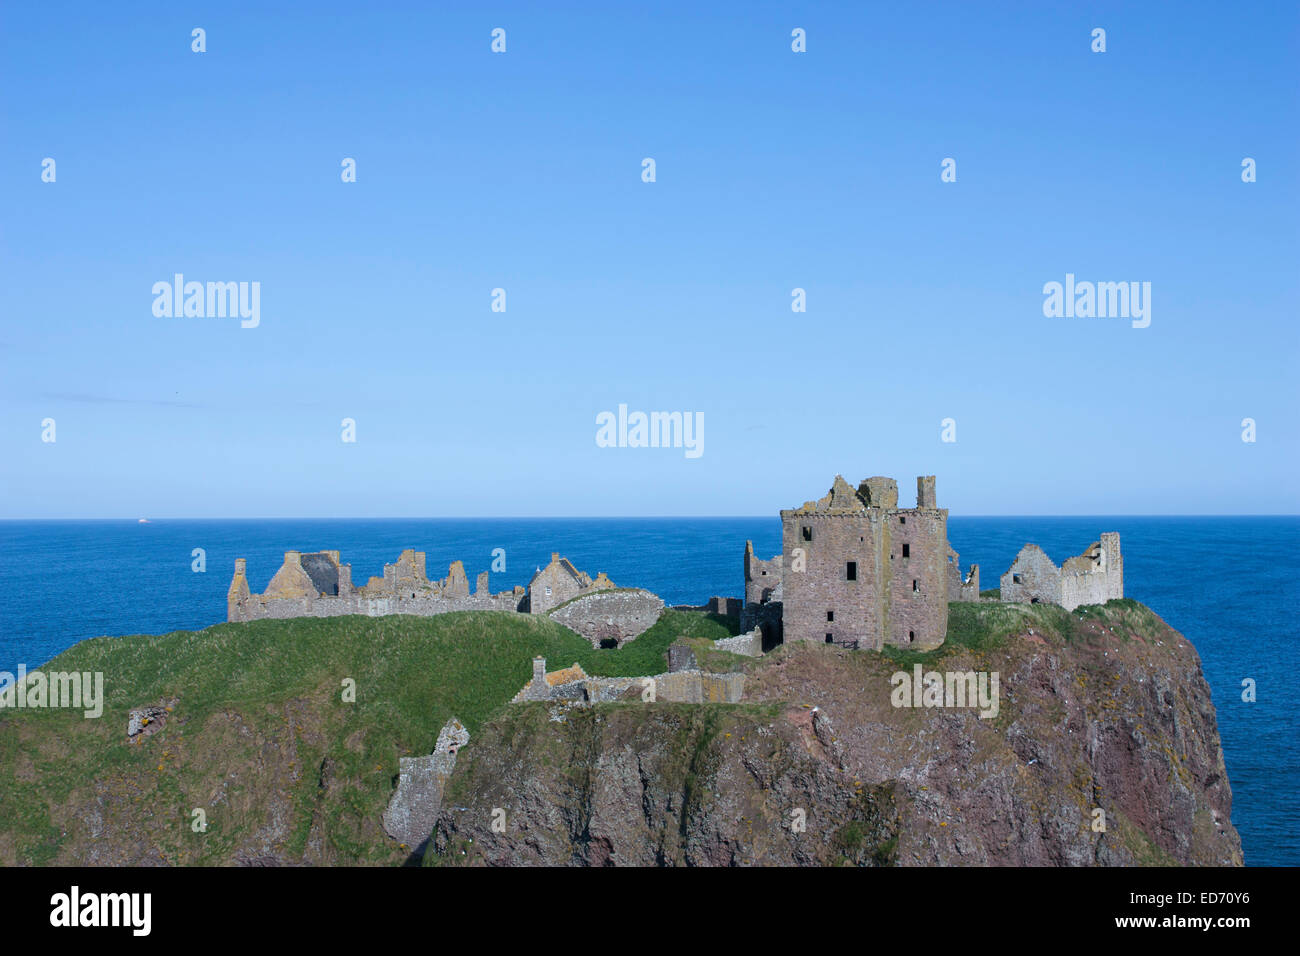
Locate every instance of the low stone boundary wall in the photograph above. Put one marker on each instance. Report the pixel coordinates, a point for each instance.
(750, 645)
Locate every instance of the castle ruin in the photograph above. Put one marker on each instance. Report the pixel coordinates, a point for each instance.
(413, 808)
(1094, 577)
(684, 683)
(560, 581)
(858, 571)
(318, 584)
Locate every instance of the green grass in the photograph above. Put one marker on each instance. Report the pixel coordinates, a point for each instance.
(260, 729)
(975, 625)
(986, 625)
(467, 663)
(411, 675)
(588, 594)
(1125, 617)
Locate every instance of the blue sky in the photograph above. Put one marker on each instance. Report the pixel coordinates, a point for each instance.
(522, 171)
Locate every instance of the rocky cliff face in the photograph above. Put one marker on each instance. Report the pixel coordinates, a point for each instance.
(1104, 750)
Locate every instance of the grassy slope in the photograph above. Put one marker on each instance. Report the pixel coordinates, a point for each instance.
(263, 700)
(986, 626)
(259, 730)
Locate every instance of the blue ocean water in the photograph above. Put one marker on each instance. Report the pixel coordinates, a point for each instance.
(1228, 584)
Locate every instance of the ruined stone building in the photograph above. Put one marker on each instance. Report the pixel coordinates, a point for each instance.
(872, 573)
(413, 808)
(560, 581)
(1094, 577)
(858, 571)
(319, 585)
(609, 617)
(763, 597)
(962, 588)
(684, 683)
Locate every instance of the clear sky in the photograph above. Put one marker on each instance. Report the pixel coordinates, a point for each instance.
(522, 170)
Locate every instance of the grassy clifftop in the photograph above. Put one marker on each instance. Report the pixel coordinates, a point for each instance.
(1101, 707)
(1103, 750)
(260, 739)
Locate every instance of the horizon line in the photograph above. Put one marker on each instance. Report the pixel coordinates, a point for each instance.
(666, 517)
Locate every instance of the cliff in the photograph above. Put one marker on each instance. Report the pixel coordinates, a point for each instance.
(1104, 708)
(1100, 708)
(287, 735)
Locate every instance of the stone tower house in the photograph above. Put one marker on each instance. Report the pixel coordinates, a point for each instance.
(859, 571)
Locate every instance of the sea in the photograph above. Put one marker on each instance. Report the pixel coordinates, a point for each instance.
(1229, 584)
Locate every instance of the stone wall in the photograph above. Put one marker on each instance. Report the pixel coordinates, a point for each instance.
(572, 685)
(681, 657)
(413, 808)
(725, 606)
(1032, 578)
(916, 561)
(317, 584)
(750, 644)
(560, 581)
(618, 615)
(821, 602)
(861, 572)
(765, 618)
(962, 588)
(762, 578)
(1094, 577)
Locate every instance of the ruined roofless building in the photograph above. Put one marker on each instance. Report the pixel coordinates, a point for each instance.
(318, 584)
(859, 571)
(1094, 577)
(560, 581)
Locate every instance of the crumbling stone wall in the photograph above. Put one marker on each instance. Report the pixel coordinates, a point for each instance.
(749, 644)
(1032, 578)
(725, 606)
(681, 657)
(1093, 577)
(573, 685)
(618, 615)
(764, 594)
(318, 585)
(413, 809)
(766, 619)
(1096, 576)
(962, 588)
(762, 578)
